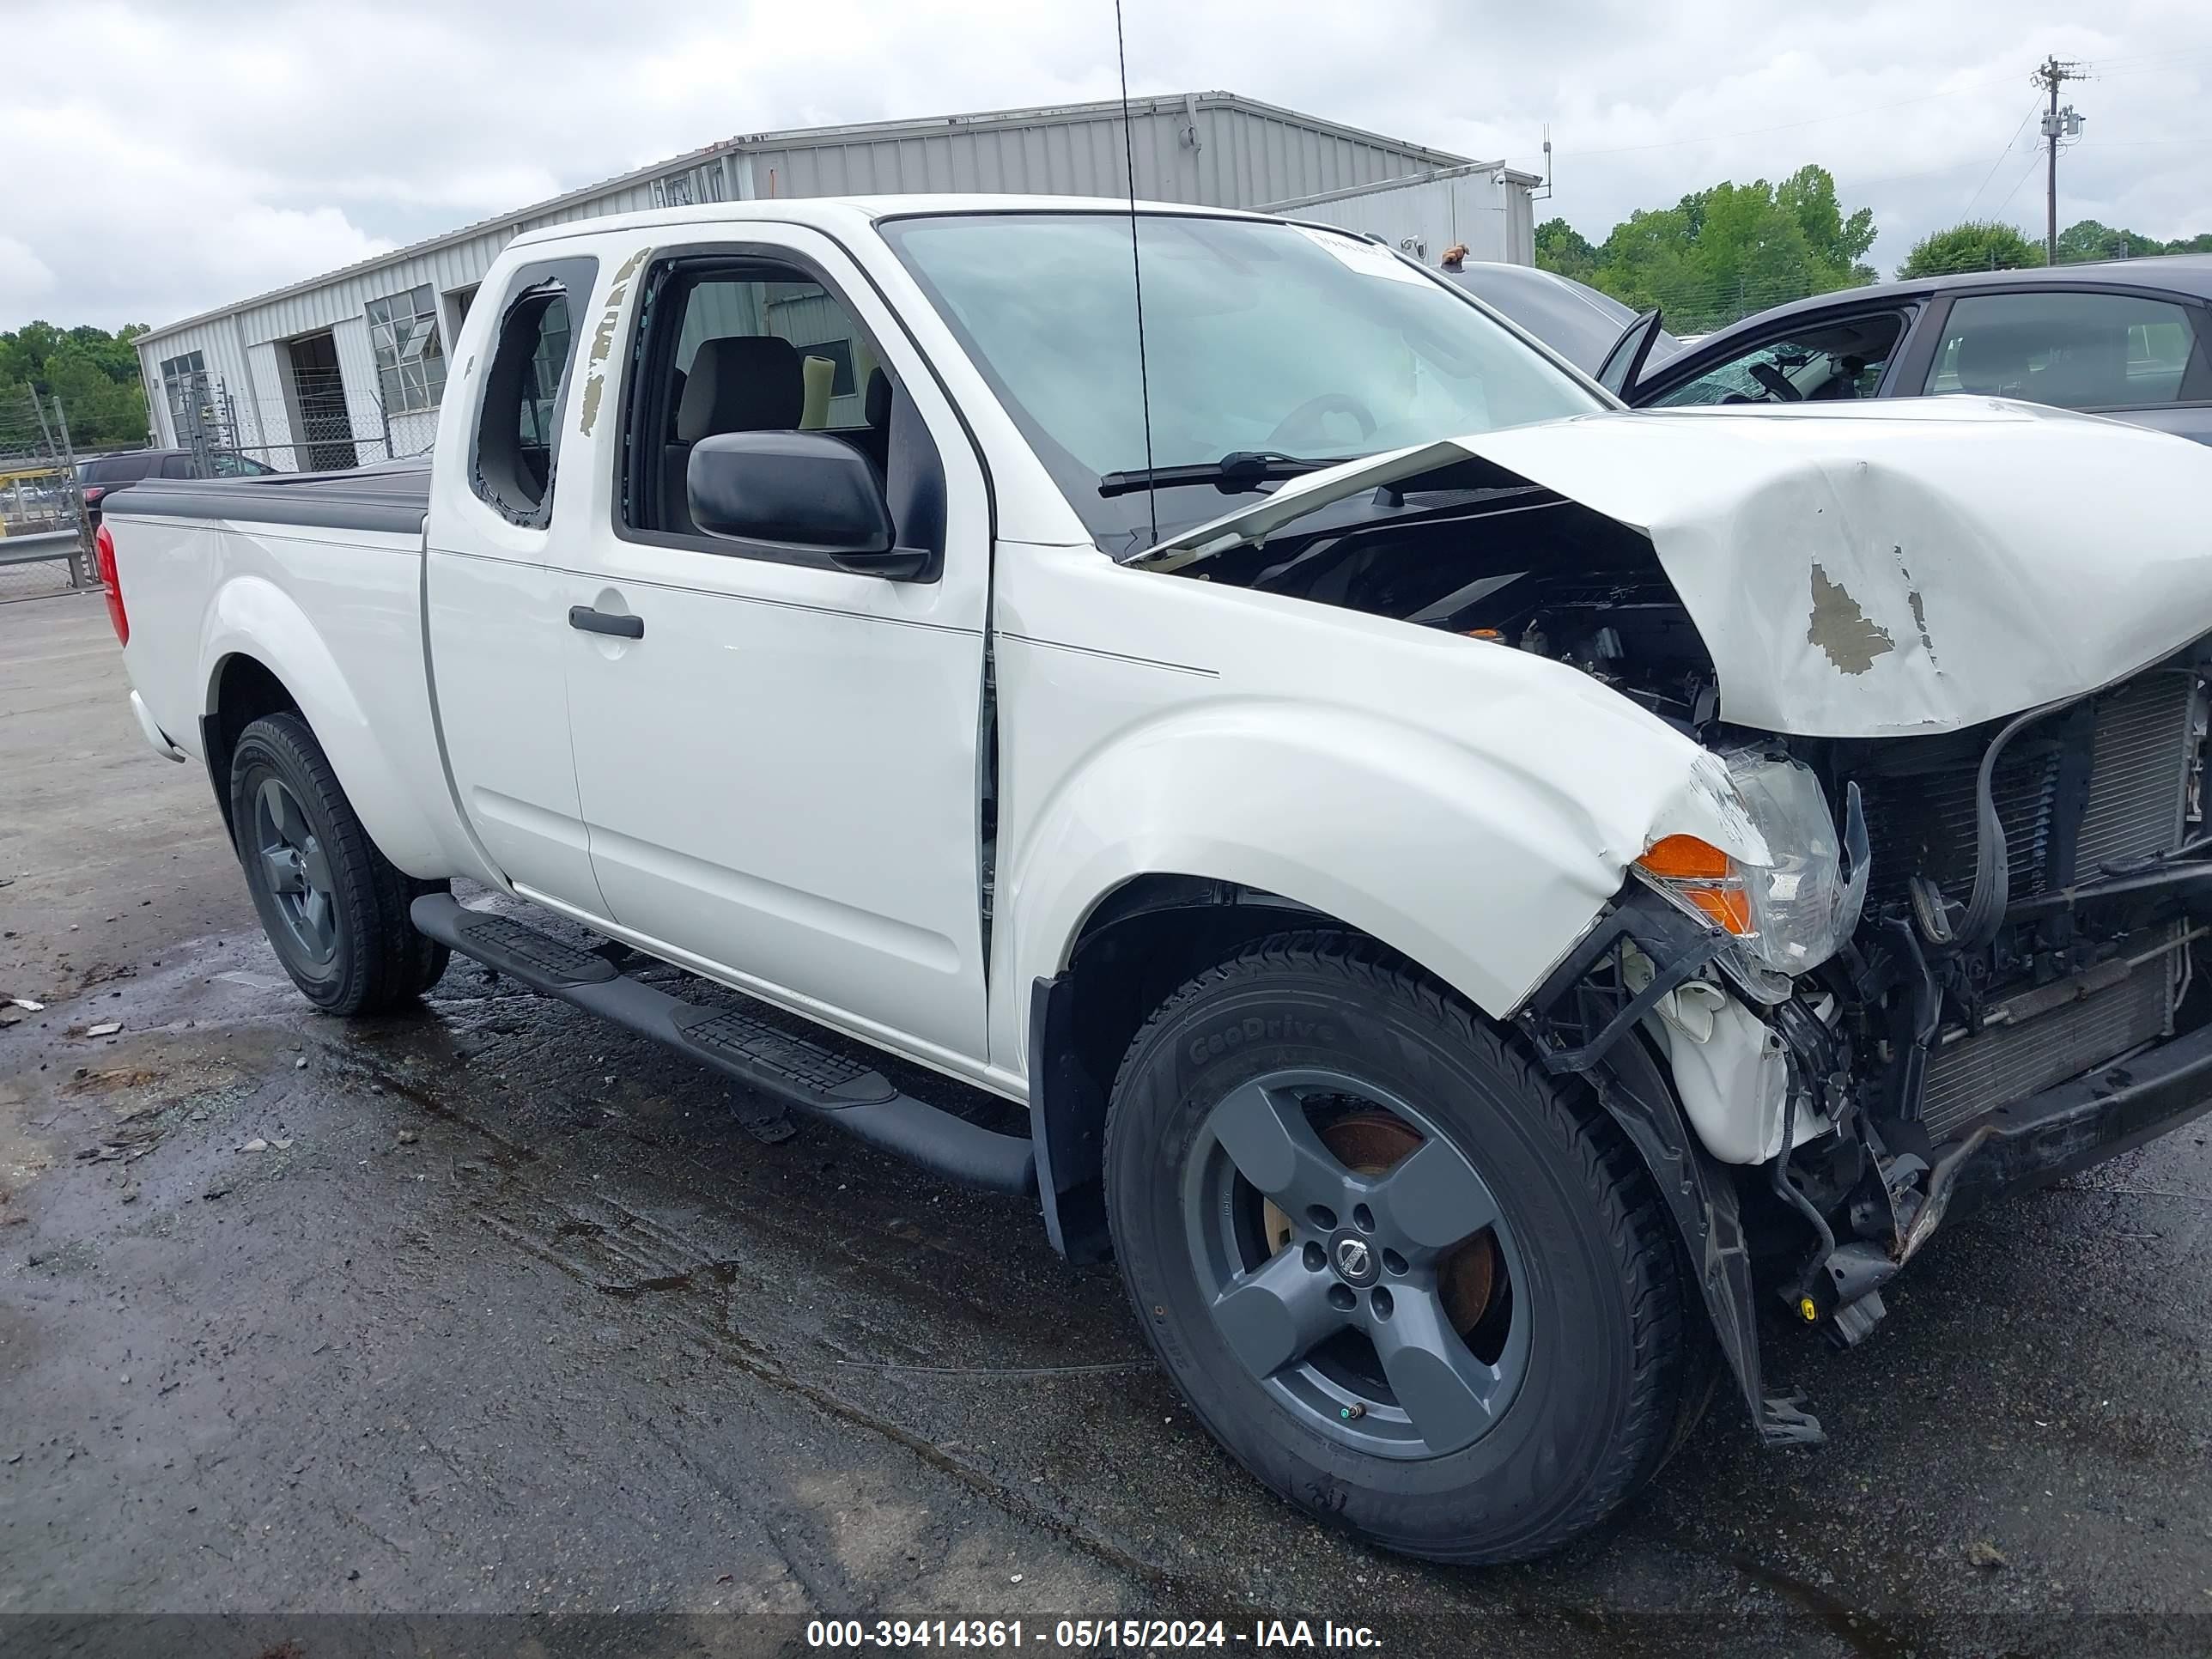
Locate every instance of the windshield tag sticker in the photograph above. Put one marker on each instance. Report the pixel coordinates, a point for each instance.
(1365, 257)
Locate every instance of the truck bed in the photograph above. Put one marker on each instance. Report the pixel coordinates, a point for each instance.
(392, 497)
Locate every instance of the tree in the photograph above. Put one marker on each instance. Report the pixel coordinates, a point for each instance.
(2085, 239)
(1808, 195)
(1562, 248)
(93, 372)
(1976, 245)
(1720, 252)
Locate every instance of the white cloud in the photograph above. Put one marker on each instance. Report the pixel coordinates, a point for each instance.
(205, 160)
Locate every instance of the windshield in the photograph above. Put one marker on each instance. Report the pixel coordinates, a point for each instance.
(1258, 336)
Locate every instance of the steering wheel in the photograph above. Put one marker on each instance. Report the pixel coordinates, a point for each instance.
(1777, 382)
(1307, 415)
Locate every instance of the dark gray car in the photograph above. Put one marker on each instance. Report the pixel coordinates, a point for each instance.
(1575, 319)
(2129, 339)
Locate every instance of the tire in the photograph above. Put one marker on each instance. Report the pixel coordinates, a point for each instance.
(1581, 1312)
(334, 908)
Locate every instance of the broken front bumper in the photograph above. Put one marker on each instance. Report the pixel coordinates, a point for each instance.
(2075, 1125)
(1582, 1021)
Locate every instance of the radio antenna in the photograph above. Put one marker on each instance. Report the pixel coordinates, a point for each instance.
(1137, 276)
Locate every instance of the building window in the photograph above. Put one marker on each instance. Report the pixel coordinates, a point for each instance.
(410, 367)
(186, 386)
(689, 187)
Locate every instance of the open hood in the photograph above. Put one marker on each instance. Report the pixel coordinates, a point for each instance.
(1863, 569)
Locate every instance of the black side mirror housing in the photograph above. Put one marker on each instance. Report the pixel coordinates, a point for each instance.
(798, 492)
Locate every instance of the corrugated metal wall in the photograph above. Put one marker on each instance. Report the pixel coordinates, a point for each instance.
(1210, 149)
(1488, 214)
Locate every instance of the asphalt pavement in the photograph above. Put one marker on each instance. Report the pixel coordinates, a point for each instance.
(493, 1310)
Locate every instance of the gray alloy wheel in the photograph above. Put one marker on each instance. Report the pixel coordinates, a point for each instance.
(1373, 1296)
(297, 870)
(1419, 1288)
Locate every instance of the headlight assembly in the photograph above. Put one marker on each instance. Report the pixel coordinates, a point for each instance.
(1789, 915)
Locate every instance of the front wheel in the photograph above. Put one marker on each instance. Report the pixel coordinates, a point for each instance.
(1410, 1284)
(333, 906)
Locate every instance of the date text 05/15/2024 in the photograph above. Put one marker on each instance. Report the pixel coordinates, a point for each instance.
(1094, 1635)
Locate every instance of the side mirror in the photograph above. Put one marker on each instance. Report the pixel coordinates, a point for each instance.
(806, 491)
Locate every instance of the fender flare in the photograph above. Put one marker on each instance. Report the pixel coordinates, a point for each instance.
(250, 616)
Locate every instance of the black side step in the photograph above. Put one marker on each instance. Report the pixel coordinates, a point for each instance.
(861, 1101)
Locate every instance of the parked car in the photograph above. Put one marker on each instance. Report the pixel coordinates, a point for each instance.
(102, 475)
(1467, 892)
(1578, 321)
(2128, 338)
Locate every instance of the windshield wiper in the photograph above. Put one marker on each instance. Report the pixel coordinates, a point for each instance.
(1239, 470)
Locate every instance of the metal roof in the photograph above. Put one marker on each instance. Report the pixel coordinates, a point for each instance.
(823, 138)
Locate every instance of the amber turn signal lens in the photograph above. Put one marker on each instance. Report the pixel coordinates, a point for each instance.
(1730, 907)
(1685, 858)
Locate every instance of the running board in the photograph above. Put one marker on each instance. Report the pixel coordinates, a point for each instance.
(859, 1101)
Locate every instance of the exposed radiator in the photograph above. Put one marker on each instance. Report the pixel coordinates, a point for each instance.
(2140, 786)
(1979, 1074)
(2143, 750)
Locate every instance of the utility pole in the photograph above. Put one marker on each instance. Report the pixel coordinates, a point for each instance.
(2057, 123)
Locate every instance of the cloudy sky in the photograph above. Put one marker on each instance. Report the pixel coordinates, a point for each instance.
(180, 154)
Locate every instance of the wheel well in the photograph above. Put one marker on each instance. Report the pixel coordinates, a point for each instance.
(244, 691)
(1139, 945)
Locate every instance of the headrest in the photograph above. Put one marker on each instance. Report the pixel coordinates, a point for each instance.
(875, 405)
(741, 383)
(1992, 360)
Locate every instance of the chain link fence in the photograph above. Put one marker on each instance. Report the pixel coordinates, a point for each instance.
(45, 545)
(323, 426)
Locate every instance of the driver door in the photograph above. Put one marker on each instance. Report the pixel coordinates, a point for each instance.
(777, 756)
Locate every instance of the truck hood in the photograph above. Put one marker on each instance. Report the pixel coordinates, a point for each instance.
(1862, 569)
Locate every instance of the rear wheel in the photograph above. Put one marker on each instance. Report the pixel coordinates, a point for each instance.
(1411, 1285)
(334, 906)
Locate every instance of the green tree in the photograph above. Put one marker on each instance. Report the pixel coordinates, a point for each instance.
(1720, 252)
(1562, 248)
(1976, 245)
(2086, 239)
(92, 372)
(1837, 243)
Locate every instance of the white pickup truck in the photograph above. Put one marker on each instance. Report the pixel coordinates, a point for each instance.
(1469, 893)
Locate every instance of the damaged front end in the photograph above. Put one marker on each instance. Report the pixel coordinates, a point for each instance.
(1969, 728)
(2014, 1000)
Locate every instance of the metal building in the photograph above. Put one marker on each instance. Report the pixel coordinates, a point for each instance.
(349, 367)
(1482, 204)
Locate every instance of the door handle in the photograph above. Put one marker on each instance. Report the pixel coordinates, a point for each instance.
(599, 621)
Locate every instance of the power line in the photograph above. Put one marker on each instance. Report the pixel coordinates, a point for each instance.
(2016, 184)
(1999, 162)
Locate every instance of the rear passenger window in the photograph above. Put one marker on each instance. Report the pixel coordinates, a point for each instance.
(527, 387)
(751, 345)
(2076, 350)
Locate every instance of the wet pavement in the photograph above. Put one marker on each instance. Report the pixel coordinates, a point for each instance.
(493, 1310)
